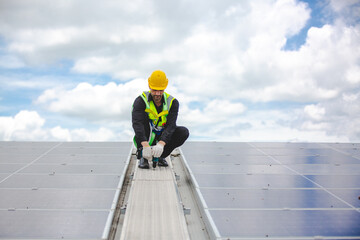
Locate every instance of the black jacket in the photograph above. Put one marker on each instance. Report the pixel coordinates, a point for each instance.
(140, 120)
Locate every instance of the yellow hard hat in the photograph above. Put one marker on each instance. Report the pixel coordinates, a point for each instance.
(158, 80)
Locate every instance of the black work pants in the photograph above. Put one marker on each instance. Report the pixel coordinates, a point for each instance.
(177, 139)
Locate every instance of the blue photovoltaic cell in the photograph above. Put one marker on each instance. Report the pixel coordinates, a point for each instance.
(98, 168)
(327, 169)
(55, 198)
(14, 158)
(61, 181)
(289, 190)
(301, 152)
(59, 190)
(352, 196)
(46, 224)
(336, 181)
(83, 159)
(253, 181)
(229, 159)
(283, 223)
(240, 169)
(286, 145)
(271, 198)
(7, 168)
(3, 176)
(345, 159)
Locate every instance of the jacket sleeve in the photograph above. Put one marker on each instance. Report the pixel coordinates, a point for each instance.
(139, 119)
(170, 122)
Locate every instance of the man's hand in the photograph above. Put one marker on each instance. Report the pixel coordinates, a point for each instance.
(158, 149)
(146, 153)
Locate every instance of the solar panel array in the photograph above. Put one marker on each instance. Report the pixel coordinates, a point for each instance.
(52, 190)
(278, 190)
(248, 190)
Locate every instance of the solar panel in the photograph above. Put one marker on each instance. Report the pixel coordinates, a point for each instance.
(52, 190)
(247, 190)
(277, 190)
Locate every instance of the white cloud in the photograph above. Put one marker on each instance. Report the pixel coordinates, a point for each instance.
(25, 125)
(116, 66)
(350, 97)
(215, 114)
(301, 91)
(47, 33)
(314, 111)
(224, 56)
(30, 126)
(339, 5)
(337, 117)
(262, 125)
(286, 134)
(352, 75)
(320, 70)
(61, 133)
(30, 40)
(311, 126)
(111, 102)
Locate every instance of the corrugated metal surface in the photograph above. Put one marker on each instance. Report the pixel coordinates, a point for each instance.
(154, 210)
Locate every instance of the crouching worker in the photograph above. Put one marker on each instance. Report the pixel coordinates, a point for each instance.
(154, 117)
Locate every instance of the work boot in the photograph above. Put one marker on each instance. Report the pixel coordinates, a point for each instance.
(143, 163)
(162, 162)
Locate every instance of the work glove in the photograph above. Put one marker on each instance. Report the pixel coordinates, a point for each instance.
(157, 150)
(146, 153)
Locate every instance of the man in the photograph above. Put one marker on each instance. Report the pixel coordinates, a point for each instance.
(154, 117)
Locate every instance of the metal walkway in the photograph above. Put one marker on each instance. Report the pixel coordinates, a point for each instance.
(154, 210)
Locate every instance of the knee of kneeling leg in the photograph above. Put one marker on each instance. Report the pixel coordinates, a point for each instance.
(186, 132)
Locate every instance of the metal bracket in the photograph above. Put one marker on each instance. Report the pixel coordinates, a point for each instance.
(123, 209)
(187, 211)
(175, 152)
(177, 177)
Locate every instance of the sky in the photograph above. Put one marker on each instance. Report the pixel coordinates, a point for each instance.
(250, 70)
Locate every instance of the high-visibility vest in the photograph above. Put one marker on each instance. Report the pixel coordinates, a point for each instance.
(157, 120)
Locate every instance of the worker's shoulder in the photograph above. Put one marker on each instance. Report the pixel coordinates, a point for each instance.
(138, 98)
(170, 95)
(139, 101)
(175, 103)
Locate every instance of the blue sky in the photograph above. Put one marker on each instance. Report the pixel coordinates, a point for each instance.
(263, 70)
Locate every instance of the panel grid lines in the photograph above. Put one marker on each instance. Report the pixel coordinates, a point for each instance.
(32, 162)
(317, 184)
(60, 190)
(278, 190)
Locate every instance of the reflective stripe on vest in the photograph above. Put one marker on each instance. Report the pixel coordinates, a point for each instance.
(157, 120)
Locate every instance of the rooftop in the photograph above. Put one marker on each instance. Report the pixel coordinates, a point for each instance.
(234, 190)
